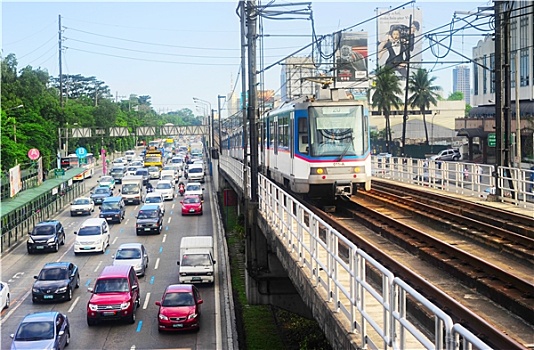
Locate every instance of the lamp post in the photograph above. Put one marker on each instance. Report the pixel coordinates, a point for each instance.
(14, 122)
(209, 109)
(432, 134)
(219, 111)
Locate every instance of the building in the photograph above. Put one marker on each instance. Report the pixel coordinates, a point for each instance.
(461, 82)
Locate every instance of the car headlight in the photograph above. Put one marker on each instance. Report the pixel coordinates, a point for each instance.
(163, 317)
(51, 240)
(61, 290)
(192, 316)
(93, 307)
(35, 290)
(30, 240)
(138, 266)
(125, 305)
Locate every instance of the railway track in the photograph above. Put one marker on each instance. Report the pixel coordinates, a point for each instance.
(474, 262)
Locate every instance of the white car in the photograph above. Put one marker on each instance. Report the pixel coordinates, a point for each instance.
(133, 254)
(166, 189)
(107, 181)
(93, 236)
(153, 172)
(194, 188)
(120, 161)
(4, 296)
(82, 206)
(156, 198)
(132, 169)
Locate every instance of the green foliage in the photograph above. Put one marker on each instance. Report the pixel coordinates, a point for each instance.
(423, 93)
(456, 96)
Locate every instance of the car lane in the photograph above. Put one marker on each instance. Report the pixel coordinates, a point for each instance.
(162, 270)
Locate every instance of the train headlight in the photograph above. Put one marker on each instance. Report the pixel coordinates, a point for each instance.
(318, 171)
(357, 169)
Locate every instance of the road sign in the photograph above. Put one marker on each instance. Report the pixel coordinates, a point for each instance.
(59, 172)
(492, 139)
(81, 152)
(33, 154)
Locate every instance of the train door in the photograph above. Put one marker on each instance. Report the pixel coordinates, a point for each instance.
(291, 143)
(274, 143)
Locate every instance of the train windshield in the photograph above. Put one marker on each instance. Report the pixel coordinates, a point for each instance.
(337, 131)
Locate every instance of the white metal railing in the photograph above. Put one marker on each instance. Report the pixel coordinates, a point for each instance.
(469, 179)
(338, 270)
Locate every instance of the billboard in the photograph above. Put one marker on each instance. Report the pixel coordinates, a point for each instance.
(15, 182)
(351, 57)
(398, 42)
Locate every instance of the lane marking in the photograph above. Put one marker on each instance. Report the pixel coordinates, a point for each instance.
(145, 304)
(152, 279)
(98, 266)
(139, 326)
(160, 249)
(115, 240)
(15, 276)
(164, 238)
(133, 347)
(169, 219)
(157, 264)
(12, 308)
(88, 282)
(74, 304)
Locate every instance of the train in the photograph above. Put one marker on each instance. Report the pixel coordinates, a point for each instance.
(318, 146)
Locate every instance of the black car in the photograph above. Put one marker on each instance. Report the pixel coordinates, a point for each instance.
(149, 219)
(100, 193)
(113, 209)
(56, 281)
(145, 174)
(46, 235)
(118, 172)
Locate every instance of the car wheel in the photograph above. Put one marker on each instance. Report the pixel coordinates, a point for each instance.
(103, 248)
(67, 340)
(63, 240)
(8, 302)
(77, 281)
(131, 318)
(29, 251)
(72, 214)
(69, 294)
(56, 247)
(91, 322)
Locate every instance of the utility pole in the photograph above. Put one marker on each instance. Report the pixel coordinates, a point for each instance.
(219, 111)
(405, 114)
(498, 95)
(243, 14)
(60, 66)
(252, 104)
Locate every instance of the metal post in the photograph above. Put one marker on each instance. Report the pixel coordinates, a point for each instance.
(219, 111)
(517, 111)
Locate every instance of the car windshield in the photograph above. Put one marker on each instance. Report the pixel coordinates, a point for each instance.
(81, 201)
(191, 200)
(53, 274)
(128, 253)
(130, 188)
(33, 331)
(195, 170)
(153, 200)
(101, 191)
(163, 186)
(153, 169)
(45, 230)
(110, 206)
(116, 171)
(106, 179)
(178, 299)
(193, 188)
(196, 260)
(141, 172)
(89, 231)
(147, 214)
(167, 177)
(111, 285)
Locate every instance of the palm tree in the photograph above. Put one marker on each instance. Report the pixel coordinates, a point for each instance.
(386, 95)
(423, 93)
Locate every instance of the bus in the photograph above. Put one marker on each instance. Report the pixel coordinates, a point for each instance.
(88, 163)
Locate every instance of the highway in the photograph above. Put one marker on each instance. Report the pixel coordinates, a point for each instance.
(18, 269)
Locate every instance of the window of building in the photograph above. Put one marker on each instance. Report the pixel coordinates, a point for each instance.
(492, 75)
(475, 78)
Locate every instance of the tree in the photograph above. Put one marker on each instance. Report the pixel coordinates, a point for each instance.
(386, 95)
(456, 96)
(423, 93)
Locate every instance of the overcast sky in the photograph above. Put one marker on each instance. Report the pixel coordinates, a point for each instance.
(177, 50)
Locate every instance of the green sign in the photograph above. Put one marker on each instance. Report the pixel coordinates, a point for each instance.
(59, 172)
(492, 139)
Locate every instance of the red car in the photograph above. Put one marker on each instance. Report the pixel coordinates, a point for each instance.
(191, 205)
(179, 308)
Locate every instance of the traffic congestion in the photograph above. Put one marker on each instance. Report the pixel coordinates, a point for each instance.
(124, 265)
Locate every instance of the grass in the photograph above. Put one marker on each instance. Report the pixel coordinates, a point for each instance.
(263, 326)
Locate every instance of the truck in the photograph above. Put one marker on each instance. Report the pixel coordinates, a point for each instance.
(154, 157)
(196, 264)
(133, 191)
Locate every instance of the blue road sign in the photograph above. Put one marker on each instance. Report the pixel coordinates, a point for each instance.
(81, 152)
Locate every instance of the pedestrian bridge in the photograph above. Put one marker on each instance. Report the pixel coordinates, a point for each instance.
(351, 310)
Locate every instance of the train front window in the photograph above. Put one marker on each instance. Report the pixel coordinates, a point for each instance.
(336, 131)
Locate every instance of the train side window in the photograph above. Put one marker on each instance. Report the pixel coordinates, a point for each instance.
(303, 135)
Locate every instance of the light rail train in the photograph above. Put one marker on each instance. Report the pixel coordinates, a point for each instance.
(319, 146)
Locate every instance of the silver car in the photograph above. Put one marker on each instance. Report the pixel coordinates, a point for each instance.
(42, 330)
(133, 254)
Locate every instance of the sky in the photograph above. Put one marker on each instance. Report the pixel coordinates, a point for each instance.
(175, 51)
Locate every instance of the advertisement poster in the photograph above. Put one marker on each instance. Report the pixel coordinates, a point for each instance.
(351, 57)
(15, 182)
(398, 42)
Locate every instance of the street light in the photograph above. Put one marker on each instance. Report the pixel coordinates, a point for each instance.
(209, 109)
(14, 121)
(219, 108)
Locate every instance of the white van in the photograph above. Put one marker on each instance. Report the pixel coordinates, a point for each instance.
(129, 155)
(196, 260)
(93, 236)
(195, 172)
